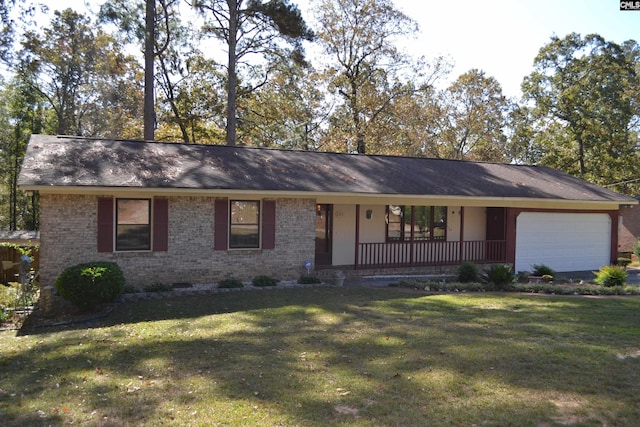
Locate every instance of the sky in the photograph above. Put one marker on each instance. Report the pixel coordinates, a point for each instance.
(500, 37)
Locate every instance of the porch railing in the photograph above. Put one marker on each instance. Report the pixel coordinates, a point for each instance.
(425, 253)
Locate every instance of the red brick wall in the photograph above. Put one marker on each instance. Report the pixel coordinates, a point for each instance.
(629, 228)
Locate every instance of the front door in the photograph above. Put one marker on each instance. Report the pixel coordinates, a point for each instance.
(323, 234)
(496, 233)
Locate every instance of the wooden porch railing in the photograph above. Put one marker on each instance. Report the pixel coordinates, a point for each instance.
(424, 253)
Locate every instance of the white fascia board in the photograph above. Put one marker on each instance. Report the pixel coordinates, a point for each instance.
(344, 198)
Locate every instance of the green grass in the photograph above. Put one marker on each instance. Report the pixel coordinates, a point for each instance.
(332, 356)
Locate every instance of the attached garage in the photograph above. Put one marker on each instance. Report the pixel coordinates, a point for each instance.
(563, 241)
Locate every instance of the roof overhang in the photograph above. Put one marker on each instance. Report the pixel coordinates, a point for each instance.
(342, 197)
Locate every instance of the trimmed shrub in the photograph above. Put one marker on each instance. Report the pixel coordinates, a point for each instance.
(307, 280)
(467, 272)
(611, 275)
(230, 283)
(500, 277)
(542, 270)
(623, 262)
(158, 287)
(90, 284)
(263, 281)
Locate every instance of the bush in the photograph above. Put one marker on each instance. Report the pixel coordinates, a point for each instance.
(91, 284)
(158, 287)
(542, 270)
(636, 248)
(498, 276)
(307, 280)
(262, 281)
(467, 272)
(611, 275)
(128, 289)
(230, 282)
(9, 294)
(623, 262)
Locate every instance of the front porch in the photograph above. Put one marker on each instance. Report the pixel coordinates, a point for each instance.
(407, 236)
(429, 253)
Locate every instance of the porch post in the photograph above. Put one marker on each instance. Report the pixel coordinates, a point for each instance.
(411, 239)
(356, 258)
(512, 219)
(461, 249)
(615, 222)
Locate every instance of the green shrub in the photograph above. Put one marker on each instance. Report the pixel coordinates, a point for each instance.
(91, 284)
(158, 287)
(623, 262)
(636, 248)
(128, 289)
(230, 282)
(542, 270)
(305, 280)
(467, 272)
(611, 275)
(262, 281)
(9, 294)
(498, 277)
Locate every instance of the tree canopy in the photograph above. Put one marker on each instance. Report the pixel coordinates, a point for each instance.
(583, 100)
(238, 72)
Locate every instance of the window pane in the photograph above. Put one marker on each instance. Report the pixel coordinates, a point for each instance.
(133, 238)
(421, 222)
(245, 212)
(440, 222)
(133, 211)
(394, 222)
(133, 229)
(244, 229)
(244, 236)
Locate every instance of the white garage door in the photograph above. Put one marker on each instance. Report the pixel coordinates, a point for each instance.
(564, 242)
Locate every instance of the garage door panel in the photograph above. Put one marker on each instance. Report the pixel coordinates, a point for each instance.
(564, 242)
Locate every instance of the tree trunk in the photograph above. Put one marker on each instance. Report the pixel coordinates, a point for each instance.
(581, 154)
(232, 78)
(149, 47)
(355, 114)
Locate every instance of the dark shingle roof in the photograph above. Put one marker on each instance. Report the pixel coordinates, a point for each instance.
(53, 161)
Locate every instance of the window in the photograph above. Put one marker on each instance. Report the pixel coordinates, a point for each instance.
(133, 224)
(114, 225)
(411, 223)
(244, 224)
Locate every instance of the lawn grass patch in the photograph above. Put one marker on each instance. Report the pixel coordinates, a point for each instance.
(332, 356)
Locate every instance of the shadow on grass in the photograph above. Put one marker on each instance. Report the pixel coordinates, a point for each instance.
(318, 356)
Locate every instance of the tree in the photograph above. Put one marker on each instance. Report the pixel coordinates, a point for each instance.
(189, 106)
(155, 37)
(21, 114)
(358, 38)
(583, 95)
(285, 112)
(474, 117)
(149, 71)
(24, 11)
(75, 68)
(250, 28)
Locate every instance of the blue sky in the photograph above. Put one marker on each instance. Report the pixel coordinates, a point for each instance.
(501, 37)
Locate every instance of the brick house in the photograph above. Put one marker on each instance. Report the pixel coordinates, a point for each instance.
(168, 212)
(629, 228)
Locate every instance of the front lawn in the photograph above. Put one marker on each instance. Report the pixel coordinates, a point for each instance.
(320, 356)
